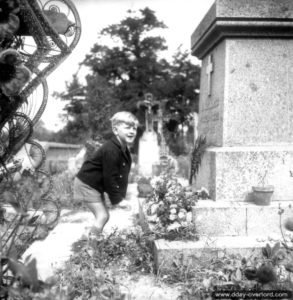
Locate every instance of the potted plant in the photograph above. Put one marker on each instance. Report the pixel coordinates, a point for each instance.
(262, 194)
(144, 187)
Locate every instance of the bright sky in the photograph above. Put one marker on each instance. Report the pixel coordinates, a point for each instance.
(181, 17)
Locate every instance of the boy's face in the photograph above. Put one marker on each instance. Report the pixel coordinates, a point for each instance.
(125, 132)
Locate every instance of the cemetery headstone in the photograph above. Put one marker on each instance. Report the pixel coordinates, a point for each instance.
(148, 150)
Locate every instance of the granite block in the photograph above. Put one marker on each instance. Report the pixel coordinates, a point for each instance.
(265, 220)
(251, 84)
(223, 218)
(232, 171)
(220, 221)
(190, 254)
(259, 86)
(245, 18)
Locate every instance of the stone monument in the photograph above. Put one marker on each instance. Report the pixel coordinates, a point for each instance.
(246, 114)
(246, 97)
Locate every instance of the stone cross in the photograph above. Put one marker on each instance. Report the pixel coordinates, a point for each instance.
(148, 103)
(209, 71)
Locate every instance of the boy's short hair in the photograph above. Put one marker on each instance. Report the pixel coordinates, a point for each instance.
(124, 117)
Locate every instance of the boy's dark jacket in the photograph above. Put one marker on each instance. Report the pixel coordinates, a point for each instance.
(108, 170)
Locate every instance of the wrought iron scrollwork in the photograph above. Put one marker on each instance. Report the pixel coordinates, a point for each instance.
(35, 38)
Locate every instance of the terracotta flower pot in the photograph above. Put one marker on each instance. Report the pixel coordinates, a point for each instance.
(144, 189)
(262, 195)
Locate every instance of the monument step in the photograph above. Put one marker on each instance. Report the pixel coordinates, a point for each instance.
(189, 253)
(223, 218)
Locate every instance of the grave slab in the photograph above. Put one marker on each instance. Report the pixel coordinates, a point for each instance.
(189, 253)
(215, 220)
(240, 218)
(230, 172)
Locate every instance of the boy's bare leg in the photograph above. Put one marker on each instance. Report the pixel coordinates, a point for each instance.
(101, 215)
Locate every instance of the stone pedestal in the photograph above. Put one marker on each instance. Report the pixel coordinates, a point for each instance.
(246, 107)
(230, 172)
(246, 114)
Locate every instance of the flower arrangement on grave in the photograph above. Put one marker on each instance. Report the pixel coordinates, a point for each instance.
(169, 207)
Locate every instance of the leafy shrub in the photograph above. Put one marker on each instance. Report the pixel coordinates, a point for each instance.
(63, 190)
(132, 250)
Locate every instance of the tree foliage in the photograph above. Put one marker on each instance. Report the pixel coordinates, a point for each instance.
(123, 71)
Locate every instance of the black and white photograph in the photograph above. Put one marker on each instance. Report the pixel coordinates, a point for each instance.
(146, 149)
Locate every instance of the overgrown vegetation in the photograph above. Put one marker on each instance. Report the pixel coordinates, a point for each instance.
(29, 214)
(92, 271)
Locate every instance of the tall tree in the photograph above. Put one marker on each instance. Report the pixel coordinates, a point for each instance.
(121, 73)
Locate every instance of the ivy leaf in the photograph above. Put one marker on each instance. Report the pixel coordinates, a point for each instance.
(250, 274)
(12, 252)
(267, 251)
(11, 199)
(276, 248)
(289, 267)
(207, 283)
(237, 276)
(27, 273)
(32, 220)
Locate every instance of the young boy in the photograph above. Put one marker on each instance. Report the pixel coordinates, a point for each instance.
(107, 171)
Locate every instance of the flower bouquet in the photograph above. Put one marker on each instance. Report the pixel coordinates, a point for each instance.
(169, 208)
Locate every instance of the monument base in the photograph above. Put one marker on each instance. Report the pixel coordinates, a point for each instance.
(230, 172)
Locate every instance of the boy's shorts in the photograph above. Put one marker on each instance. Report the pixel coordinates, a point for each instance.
(84, 193)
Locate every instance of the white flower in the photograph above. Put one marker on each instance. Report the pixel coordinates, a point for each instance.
(183, 210)
(173, 206)
(182, 216)
(189, 194)
(184, 224)
(173, 226)
(156, 182)
(189, 217)
(172, 217)
(154, 208)
(152, 219)
(168, 198)
(173, 211)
